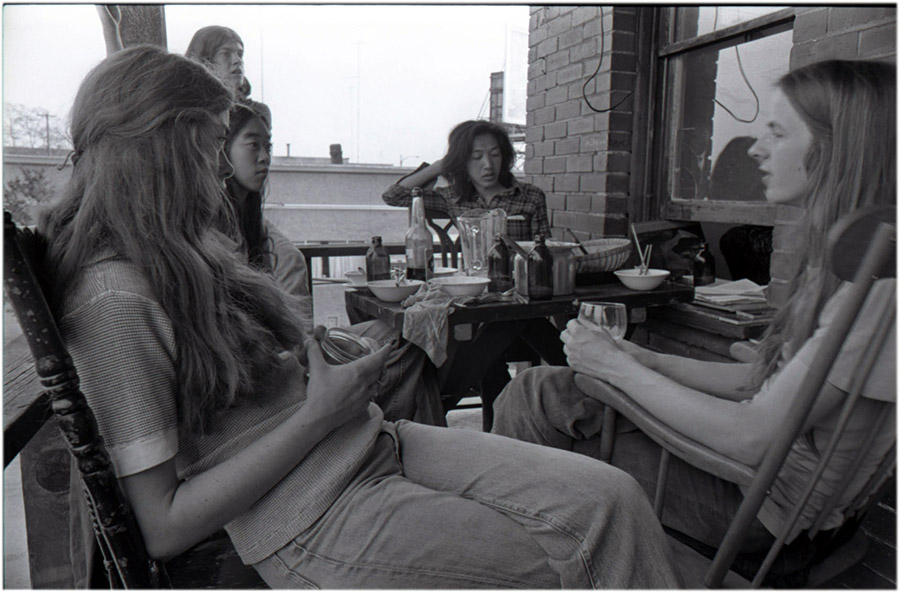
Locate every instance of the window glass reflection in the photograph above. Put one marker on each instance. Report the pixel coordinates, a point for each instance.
(715, 104)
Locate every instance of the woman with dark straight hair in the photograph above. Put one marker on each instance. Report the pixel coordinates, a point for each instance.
(186, 354)
(478, 167)
(404, 393)
(829, 148)
(248, 148)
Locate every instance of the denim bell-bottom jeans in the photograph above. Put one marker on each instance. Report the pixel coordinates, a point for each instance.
(449, 508)
(543, 405)
(405, 390)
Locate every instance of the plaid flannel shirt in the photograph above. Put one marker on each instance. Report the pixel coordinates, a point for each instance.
(524, 204)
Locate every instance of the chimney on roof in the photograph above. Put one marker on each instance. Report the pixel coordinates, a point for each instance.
(337, 155)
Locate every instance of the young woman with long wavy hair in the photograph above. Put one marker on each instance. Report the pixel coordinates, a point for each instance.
(185, 352)
(829, 148)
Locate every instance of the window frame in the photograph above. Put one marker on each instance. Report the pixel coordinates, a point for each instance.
(663, 52)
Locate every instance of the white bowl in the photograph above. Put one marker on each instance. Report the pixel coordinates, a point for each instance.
(356, 278)
(462, 285)
(387, 290)
(440, 272)
(635, 281)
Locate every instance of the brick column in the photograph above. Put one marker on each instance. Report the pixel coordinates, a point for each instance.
(579, 157)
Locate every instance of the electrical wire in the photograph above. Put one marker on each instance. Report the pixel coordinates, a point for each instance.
(631, 92)
(743, 75)
(597, 71)
(749, 86)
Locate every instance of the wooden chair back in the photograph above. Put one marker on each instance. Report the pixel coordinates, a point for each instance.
(862, 249)
(116, 529)
(211, 564)
(443, 223)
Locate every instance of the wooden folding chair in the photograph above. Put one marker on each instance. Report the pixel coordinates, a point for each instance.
(211, 564)
(862, 250)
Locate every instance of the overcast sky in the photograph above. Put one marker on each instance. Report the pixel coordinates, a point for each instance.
(383, 81)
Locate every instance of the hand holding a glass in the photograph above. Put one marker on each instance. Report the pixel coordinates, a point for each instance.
(591, 341)
(612, 317)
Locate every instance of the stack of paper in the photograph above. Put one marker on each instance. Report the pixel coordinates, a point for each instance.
(739, 294)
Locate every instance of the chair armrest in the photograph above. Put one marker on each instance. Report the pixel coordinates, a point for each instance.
(676, 443)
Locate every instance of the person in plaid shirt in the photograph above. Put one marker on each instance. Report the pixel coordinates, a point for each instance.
(478, 166)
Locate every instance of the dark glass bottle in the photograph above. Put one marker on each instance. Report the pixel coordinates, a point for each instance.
(540, 270)
(378, 261)
(704, 266)
(499, 267)
(419, 242)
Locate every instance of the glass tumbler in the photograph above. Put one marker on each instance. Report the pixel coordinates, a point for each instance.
(612, 317)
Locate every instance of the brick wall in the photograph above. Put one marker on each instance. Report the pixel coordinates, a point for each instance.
(820, 33)
(579, 157)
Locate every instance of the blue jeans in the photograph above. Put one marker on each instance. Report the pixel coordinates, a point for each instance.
(544, 406)
(448, 508)
(406, 392)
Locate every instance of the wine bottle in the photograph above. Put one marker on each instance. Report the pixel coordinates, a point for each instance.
(540, 270)
(378, 261)
(419, 242)
(499, 267)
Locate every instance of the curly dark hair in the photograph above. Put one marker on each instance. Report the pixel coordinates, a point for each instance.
(459, 150)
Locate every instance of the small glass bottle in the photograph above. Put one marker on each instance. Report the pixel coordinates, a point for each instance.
(378, 261)
(704, 266)
(540, 270)
(419, 242)
(499, 267)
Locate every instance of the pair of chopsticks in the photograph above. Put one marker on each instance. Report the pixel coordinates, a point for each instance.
(644, 254)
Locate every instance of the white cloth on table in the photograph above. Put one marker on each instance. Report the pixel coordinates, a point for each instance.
(426, 318)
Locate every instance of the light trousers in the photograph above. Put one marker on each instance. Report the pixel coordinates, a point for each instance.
(405, 392)
(543, 405)
(449, 508)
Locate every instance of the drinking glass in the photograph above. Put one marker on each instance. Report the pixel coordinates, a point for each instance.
(610, 316)
(340, 346)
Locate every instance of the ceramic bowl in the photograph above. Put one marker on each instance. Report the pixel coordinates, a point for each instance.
(462, 285)
(440, 272)
(387, 290)
(633, 279)
(356, 278)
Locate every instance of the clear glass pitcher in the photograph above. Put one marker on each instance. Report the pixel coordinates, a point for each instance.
(477, 229)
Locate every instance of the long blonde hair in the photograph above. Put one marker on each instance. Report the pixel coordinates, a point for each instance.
(850, 109)
(145, 185)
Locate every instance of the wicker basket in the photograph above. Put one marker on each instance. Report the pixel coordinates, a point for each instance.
(606, 255)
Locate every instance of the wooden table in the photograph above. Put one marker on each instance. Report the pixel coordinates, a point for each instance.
(488, 330)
